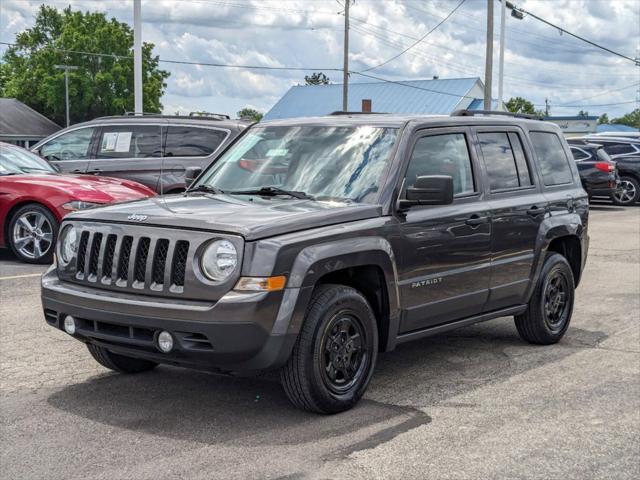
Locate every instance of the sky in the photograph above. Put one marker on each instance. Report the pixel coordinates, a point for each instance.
(540, 62)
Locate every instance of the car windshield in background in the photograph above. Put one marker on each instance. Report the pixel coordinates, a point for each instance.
(14, 160)
(323, 162)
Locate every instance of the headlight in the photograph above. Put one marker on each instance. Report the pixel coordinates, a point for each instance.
(79, 205)
(219, 260)
(68, 244)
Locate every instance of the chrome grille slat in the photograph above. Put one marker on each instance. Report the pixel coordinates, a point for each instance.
(87, 256)
(132, 263)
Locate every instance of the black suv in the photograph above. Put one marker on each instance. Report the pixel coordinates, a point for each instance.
(312, 244)
(154, 150)
(597, 171)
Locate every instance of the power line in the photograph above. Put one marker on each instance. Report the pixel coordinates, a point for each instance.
(602, 47)
(603, 93)
(418, 41)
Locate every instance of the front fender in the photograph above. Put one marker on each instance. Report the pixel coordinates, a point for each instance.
(315, 261)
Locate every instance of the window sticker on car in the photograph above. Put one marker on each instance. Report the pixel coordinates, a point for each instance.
(277, 152)
(116, 142)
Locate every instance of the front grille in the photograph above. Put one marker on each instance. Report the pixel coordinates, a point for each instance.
(132, 261)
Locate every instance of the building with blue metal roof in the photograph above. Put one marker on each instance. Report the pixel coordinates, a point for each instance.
(428, 97)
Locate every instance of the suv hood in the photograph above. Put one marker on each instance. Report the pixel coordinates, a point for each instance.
(253, 217)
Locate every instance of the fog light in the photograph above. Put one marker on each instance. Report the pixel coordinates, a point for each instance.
(165, 342)
(70, 325)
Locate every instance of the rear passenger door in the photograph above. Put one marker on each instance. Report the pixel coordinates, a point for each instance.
(444, 250)
(188, 146)
(130, 151)
(517, 210)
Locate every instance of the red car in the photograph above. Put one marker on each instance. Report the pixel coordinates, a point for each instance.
(34, 197)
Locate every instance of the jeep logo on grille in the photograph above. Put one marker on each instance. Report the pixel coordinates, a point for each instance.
(136, 217)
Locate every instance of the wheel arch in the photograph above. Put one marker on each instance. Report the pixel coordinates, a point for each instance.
(366, 264)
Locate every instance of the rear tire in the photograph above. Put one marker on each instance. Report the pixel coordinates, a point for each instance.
(335, 353)
(549, 311)
(119, 363)
(628, 193)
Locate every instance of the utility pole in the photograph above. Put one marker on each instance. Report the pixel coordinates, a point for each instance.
(503, 14)
(345, 68)
(546, 107)
(66, 69)
(488, 67)
(137, 57)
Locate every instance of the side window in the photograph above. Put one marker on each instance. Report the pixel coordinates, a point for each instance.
(618, 148)
(446, 154)
(129, 141)
(505, 160)
(554, 164)
(72, 145)
(192, 141)
(579, 154)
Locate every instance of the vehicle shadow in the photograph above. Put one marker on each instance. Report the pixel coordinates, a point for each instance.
(214, 409)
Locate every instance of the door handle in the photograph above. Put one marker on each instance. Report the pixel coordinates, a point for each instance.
(475, 220)
(535, 211)
(95, 171)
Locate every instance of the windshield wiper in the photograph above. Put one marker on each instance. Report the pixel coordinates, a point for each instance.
(273, 191)
(205, 188)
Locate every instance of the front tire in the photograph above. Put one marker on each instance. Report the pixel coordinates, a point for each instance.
(32, 233)
(119, 363)
(549, 311)
(628, 192)
(335, 354)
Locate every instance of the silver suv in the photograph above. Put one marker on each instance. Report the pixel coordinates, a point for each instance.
(154, 150)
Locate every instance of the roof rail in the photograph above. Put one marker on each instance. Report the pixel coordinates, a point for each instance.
(471, 113)
(342, 112)
(191, 116)
(214, 116)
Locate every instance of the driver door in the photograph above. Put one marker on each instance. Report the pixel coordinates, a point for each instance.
(132, 152)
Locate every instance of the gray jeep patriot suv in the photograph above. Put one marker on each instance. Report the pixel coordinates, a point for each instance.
(312, 244)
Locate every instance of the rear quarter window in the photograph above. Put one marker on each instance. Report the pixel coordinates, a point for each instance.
(552, 160)
(185, 141)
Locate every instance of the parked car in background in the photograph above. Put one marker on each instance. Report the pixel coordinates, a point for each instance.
(34, 197)
(597, 171)
(153, 150)
(625, 151)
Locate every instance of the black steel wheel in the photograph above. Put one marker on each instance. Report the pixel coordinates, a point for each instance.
(549, 311)
(335, 353)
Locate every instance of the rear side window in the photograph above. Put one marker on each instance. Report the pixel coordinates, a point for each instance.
(129, 141)
(579, 154)
(505, 160)
(554, 164)
(618, 148)
(192, 142)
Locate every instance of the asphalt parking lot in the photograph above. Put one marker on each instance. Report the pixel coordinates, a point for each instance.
(476, 403)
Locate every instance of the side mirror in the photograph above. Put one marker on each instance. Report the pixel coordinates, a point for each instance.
(190, 174)
(429, 190)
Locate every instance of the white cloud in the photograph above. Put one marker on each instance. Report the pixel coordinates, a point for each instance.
(539, 63)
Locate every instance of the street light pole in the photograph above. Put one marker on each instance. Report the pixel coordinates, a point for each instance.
(503, 13)
(488, 67)
(137, 57)
(345, 68)
(66, 69)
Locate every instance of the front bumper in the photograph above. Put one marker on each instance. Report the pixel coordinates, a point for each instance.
(233, 334)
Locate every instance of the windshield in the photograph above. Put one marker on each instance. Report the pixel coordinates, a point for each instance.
(341, 163)
(15, 160)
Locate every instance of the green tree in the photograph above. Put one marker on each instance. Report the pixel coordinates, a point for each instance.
(102, 85)
(631, 119)
(520, 105)
(603, 119)
(250, 113)
(583, 113)
(316, 78)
